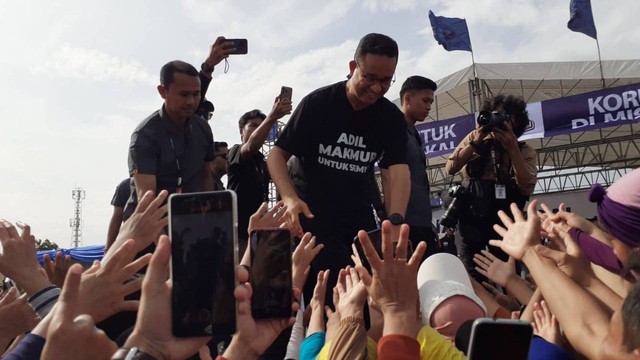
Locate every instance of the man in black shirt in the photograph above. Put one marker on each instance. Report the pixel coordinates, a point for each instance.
(219, 165)
(338, 132)
(247, 172)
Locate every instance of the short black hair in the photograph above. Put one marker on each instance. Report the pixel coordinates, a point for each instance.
(176, 66)
(513, 106)
(631, 319)
(218, 144)
(416, 83)
(251, 115)
(376, 44)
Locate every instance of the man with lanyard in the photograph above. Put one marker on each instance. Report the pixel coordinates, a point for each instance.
(416, 97)
(172, 148)
(338, 132)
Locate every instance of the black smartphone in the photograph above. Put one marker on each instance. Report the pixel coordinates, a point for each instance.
(286, 93)
(204, 257)
(499, 339)
(376, 240)
(271, 273)
(240, 46)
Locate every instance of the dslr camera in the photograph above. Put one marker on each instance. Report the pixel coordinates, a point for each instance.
(457, 193)
(489, 120)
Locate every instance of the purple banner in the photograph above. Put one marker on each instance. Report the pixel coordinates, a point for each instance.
(592, 110)
(442, 137)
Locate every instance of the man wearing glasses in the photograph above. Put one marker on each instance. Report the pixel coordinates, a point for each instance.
(338, 132)
(247, 172)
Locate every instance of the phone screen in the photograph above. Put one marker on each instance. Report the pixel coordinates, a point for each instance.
(500, 339)
(271, 274)
(203, 263)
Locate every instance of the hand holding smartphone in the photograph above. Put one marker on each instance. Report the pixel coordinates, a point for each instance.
(499, 339)
(271, 274)
(202, 228)
(286, 93)
(240, 46)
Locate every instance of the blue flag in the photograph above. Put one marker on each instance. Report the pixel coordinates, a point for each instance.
(581, 19)
(451, 33)
(273, 132)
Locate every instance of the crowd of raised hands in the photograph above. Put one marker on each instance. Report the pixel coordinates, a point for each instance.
(575, 298)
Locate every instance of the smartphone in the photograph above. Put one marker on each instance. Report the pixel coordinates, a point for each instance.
(376, 240)
(499, 339)
(286, 93)
(240, 45)
(271, 273)
(204, 257)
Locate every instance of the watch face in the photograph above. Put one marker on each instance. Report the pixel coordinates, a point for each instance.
(396, 219)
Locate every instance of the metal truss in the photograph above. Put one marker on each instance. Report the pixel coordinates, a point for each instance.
(579, 161)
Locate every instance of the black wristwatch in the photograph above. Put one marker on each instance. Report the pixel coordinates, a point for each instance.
(206, 68)
(131, 354)
(396, 219)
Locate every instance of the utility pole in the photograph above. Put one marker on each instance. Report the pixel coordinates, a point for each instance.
(75, 222)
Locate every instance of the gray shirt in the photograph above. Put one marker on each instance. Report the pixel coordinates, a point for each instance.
(419, 208)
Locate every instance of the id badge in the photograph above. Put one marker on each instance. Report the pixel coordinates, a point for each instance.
(501, 191)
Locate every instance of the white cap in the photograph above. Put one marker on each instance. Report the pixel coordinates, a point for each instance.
(440, 277)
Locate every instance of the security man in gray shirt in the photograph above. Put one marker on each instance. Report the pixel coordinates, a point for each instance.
(416, 97)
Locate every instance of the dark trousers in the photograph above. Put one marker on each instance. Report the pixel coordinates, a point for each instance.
(475, 233)
(423, 233)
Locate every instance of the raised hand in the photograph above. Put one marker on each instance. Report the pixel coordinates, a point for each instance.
(545, 324)
(281, 107)
(392, 283)
(145, 225)
(295, 206)
(70, 333)
(16, 315)
(572, 260)
(518, 235)
(494, 269)
(352, 293)
(506, 301)
(56, 269)
(304, 253)
(152, 332)
(104, 286)
(265, 218)
(18, 259)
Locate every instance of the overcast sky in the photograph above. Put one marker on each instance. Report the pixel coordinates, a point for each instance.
(79, 75)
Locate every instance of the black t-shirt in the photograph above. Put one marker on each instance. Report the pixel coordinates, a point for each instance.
(249, 178)
(337, 147)
(122, 193)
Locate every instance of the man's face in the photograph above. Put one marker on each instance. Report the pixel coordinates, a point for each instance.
(249, 128)
(372, 77)
(418, 104)
(220, 161)
(182, 97)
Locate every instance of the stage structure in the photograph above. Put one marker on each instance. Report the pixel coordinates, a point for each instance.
(567, 160)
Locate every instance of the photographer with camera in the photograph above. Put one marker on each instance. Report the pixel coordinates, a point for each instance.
(497, 170)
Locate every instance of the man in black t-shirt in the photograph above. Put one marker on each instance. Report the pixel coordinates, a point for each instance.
(119, 201)
(338, 132)
(247, 172)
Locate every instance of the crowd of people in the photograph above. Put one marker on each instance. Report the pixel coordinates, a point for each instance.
(371, 278)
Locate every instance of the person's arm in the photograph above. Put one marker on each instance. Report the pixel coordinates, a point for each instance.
(386, 187)
(114, 226)
(207, 177)
(464, 151)
(219, 51)
(316, 322)
(144, 183)
(523, 161)
(400, 189)
(584, 326)
(259, 135)
(277, 163)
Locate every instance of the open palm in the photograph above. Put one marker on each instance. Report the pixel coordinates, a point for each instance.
(519, 234)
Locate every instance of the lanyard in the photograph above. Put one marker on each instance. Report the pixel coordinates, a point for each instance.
(173, 147)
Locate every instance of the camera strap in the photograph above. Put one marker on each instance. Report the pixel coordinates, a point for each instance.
(499, 186)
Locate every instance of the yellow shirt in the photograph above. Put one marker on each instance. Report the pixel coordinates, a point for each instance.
(434, 346)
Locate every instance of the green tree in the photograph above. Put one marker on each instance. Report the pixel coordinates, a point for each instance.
(45, 244)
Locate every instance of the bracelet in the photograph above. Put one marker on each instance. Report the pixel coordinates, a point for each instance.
(131, 354)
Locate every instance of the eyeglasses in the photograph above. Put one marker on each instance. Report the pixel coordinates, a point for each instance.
(369, 79)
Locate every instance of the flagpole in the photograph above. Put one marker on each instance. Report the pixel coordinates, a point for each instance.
(476, 83)
(599, 62)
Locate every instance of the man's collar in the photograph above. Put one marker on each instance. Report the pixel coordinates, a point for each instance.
(171, 125)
